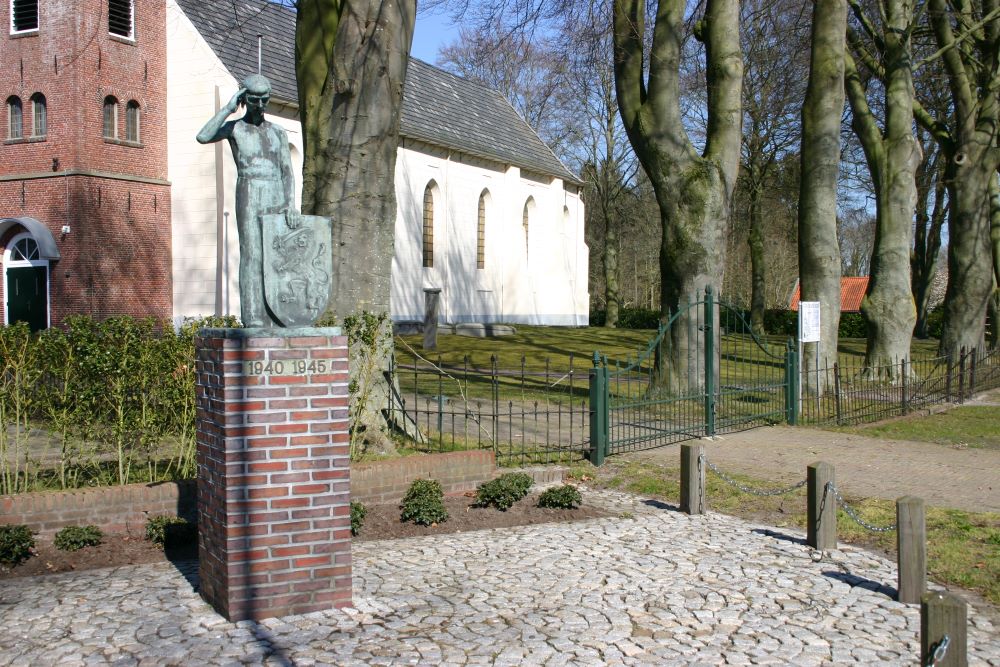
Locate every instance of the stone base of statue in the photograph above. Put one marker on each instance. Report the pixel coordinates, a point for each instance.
(273, 471)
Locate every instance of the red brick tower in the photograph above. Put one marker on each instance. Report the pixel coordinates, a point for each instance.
(84, 153)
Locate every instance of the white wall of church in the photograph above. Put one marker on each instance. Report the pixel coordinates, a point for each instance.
(541, 279)
(545, 283)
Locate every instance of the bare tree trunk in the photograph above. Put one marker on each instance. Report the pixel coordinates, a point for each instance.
(758, 260)
(611, 285)
(819, 254)
(693, 191)
(927, 238)
(970, 148)
(893, 156)
(994, 311)
(351, 59)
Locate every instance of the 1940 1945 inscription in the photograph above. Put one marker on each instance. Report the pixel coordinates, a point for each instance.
(286, 367)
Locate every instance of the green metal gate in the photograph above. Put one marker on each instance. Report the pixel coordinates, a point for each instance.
(714, 376)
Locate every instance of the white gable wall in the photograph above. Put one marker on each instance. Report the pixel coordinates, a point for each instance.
(548, 286)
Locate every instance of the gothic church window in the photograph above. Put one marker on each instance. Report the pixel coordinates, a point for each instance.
(15, 118)
(121, 18)
(110, 117)
(132, 122)
(39, 116)
(481, 232)
(23, 15)
(428, 235)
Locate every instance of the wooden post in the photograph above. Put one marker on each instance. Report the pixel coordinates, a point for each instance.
(821, 522)
(432, 297)
(911, 545)
(941, 615)
(692, 479)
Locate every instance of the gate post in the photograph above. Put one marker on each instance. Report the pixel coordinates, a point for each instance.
(709, 362)
(791, 384)
(598, 412)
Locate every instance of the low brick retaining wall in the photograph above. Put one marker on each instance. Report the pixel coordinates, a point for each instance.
(119, 509)
(113, 509)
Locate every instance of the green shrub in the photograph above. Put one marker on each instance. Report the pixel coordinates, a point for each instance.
(358, 513)
(170, 531)
(72, 538)
(564, 497)
(852, 325)
(503, 491)
(16, 544)
(423, 503)
(628, 318)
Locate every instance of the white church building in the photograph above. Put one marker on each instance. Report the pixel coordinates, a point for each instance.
(486, 212)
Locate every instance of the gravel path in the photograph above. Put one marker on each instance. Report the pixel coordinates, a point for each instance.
(654, 588)
(961, 478)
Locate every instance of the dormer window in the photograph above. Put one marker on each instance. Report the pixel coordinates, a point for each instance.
(121, 18)
(23, 16)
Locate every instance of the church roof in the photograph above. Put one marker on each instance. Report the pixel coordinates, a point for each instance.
(438, 107)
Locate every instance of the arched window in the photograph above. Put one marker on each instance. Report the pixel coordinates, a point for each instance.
(481, 232)
(39, 116)
(121, 18)
(24, 249)
(525, 215)
(110, 117)
(428, 236)
(132, 121)
(15, 118)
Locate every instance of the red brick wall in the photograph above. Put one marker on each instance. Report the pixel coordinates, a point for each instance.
(273, 473)
(114, 509)
(116, 258)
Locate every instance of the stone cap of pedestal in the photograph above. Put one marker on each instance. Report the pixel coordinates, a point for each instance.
(275, 332)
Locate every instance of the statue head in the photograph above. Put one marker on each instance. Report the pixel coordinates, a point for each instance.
(258, 93)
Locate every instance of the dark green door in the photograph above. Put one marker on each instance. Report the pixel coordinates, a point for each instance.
(27, 296)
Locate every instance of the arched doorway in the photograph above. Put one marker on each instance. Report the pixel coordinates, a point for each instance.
(26, 283)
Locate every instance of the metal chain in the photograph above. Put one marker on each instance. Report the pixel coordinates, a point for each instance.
(937, 655)
(746, 489)
(850, 511)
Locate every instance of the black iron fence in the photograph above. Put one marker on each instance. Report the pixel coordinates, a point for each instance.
(851, 393)
(525, 416)
(532, 415)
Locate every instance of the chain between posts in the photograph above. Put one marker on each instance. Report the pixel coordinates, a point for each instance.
(940, 650)
(850, 511)
(746, 489)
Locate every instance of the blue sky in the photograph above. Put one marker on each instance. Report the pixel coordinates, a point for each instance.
(432, 31)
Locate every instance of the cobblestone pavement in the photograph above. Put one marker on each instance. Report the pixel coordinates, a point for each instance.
(655, 587)
(961, 478)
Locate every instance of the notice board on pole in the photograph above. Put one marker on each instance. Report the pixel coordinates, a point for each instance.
(809, 322)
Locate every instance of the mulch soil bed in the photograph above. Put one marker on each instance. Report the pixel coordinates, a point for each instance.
(381, 523)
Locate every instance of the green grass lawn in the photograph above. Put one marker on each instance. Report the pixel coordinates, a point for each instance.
(966, 426)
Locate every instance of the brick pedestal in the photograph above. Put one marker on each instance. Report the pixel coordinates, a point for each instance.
(273, 471)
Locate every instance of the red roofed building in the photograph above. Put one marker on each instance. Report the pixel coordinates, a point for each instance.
(852, 291)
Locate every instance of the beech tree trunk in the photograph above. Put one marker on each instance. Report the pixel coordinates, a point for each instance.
(927, 238)
(819, 249)
(351, 60)
(693, 192)
(969, 145)
(893, 156)
(611, 286)
(758, 259)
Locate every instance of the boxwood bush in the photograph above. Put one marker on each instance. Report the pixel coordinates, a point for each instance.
(423, 503)
(358, 513)
(170, 532)
(73, 538)
(564, 497)
(503, 491)
(16, 544)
